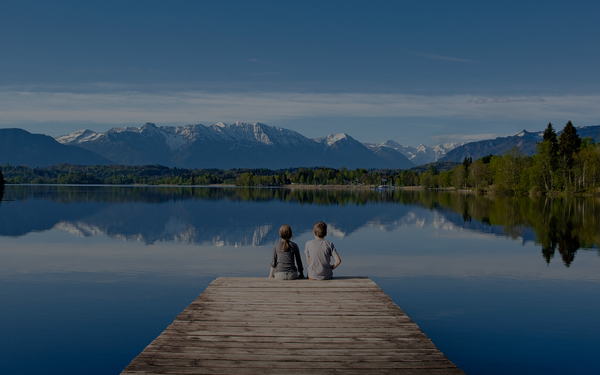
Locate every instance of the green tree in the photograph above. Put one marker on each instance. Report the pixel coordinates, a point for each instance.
(364, 178)
(245, 179)
(374, 178)
(407, 178)
(511, 176)
(467, 161)
(344, 176)
(425, 179)
(568, 143)
(586, 167)
(487, 159)
(552, 148)
(544, 166)
(479, 174)
(445, 178)
(461, 173)
(586, 142)
(459, 176)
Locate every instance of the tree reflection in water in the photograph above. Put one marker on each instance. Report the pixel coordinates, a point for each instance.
(567, 223)
(564, 223)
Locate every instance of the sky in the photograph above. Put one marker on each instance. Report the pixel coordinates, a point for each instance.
(424, 72)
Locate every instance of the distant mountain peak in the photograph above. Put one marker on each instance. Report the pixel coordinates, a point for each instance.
(334, 138)
(392, 144)
(418, 155)
(522, 133)
(78, 136)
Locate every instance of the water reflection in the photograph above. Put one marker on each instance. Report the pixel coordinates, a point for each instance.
(566, 223)
(247, 216)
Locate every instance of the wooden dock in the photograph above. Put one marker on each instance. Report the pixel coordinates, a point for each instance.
(242, 325)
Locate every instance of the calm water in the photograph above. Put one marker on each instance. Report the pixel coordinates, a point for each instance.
(90, 275)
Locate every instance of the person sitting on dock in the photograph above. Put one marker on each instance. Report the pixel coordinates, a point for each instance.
(318, 254)
(284, 252)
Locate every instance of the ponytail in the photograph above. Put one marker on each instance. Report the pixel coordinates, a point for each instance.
(285, 232)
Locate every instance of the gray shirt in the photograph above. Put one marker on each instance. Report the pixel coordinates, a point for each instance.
(283, 261)
(320, 251)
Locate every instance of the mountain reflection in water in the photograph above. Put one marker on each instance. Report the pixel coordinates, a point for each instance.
(252, 216)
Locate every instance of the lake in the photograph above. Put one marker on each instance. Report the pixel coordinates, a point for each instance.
(90, 275)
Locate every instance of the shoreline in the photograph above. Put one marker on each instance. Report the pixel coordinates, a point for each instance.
(351, 187)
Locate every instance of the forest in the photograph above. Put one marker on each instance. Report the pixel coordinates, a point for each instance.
(565, 164)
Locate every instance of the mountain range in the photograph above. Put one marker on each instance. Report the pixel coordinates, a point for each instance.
(242, 145)
(418, 155)
(238, 145)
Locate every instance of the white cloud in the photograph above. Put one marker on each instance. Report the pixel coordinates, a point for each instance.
(185, 107)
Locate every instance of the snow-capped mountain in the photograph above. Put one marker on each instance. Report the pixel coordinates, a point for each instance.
(342, 147)
(238, 145)
(418, 155)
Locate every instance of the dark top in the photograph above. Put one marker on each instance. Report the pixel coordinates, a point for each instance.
(283, 261)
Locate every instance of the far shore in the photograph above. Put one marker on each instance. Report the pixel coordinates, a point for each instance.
(358, 187)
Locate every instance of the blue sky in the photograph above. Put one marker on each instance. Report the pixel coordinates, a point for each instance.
(415, 72)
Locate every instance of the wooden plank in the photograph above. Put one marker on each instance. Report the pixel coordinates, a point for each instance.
(270, 342)
(298, 371)
(265, 326)
(200, 329)
(347, 345)
(291, 351)
(289, 324)
(276, 356)
(290, 364)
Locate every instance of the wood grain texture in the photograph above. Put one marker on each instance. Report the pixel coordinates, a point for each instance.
(242, 325)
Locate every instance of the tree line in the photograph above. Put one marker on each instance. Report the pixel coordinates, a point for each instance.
(115, 175)
(161, 175)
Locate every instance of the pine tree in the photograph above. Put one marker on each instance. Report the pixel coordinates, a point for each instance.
(550, 134)
(568, 143)
(550, 137)
(1, 179)
(467, 161)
